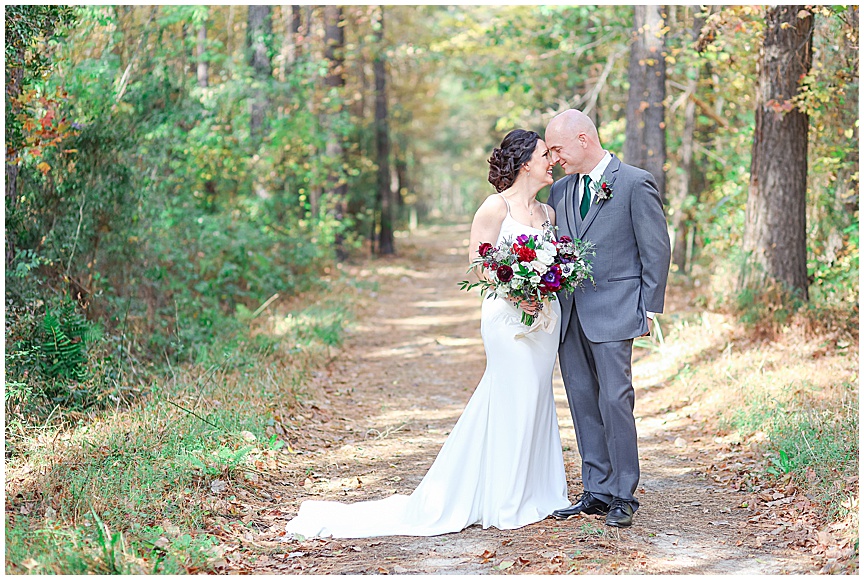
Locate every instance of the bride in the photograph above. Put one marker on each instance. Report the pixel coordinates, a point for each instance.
(501, 465)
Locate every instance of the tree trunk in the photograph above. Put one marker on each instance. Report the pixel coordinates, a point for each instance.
(682, 218)
(259, 31)
(775, 231)
(382, 141)
(14, 80)
(293, 40)
(203, 65)
(334, 52)
(645, 137)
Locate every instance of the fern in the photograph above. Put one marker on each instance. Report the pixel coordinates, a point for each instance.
(65, 336)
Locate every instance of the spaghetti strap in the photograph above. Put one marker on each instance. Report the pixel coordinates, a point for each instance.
(546, 209)
(506, 203)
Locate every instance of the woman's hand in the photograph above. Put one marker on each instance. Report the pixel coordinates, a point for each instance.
(530, 306)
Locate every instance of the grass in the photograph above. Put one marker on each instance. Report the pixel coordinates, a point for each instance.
(790, 395)
(135, 490)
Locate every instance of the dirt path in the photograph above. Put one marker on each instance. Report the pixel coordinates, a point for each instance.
(378, 416)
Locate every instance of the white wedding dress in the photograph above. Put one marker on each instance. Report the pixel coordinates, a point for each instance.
(501, 465)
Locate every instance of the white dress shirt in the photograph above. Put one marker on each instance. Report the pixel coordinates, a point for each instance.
(595, 174)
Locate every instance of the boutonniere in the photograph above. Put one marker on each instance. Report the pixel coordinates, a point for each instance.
(602, 190)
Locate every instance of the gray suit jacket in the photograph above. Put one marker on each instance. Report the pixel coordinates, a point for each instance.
(633, 253)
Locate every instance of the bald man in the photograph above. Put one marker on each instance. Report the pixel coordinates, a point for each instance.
(616, 207)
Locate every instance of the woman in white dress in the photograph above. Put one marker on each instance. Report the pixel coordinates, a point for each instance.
(501, 465)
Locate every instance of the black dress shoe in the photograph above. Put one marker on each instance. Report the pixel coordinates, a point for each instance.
(586, 504)
(620, 514)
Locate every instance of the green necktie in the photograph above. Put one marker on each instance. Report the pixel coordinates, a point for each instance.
(586, 198)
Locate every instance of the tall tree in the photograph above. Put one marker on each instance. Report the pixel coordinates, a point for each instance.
(334, 52)
(775, 226)
(681, 219)
(645, 144)
(259, 32)
(386, 243)
(290, 17)
(201, 48)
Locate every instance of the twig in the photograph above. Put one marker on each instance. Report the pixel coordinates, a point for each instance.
(601, 82)
(387, 432)
(710, 153)
(124, 80)
(210, 376)
(197, 416)
(706, 108)
(77, 233)
(265, 305)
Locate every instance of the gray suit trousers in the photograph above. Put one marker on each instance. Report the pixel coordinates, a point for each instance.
(598, 380)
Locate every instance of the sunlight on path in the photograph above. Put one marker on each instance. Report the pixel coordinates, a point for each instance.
(410, 364)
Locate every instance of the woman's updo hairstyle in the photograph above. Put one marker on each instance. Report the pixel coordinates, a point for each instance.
(506, 161)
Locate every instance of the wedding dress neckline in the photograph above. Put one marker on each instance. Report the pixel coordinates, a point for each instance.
(520, 223)
(509, 215)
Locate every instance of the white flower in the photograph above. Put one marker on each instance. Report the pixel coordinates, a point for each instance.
(535, 279)
(545, 257)
(566, 269)
(539, 266)
(549, 247)
(517, 282)
(502, 291)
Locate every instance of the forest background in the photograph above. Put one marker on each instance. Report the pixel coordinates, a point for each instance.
(173, 171)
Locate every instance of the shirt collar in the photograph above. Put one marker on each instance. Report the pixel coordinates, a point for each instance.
(597, 173)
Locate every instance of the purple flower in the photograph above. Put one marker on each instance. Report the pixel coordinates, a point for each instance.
(552, 277)
(523, 239)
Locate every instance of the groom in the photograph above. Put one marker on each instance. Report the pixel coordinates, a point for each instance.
(618, 208)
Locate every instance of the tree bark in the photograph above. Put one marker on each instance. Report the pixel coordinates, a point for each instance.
(259, 31)
(203, 65)
(682, 218)
(334, 52)
(645, 137)
(382, 141)
(293, 37)
(14, 80)
(775, 233)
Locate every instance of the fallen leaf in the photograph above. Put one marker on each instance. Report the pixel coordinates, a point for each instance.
(503, 565)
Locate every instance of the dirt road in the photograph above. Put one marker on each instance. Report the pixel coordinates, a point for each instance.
(375, 420)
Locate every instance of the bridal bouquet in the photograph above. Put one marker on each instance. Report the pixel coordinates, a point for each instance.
(532, 267)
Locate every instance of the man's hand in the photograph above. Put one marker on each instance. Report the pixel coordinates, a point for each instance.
(650, 324)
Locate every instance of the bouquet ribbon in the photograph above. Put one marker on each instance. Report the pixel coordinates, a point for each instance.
(544, 320)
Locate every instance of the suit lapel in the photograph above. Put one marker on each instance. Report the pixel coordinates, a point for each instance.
(609, 175)
(569, 210)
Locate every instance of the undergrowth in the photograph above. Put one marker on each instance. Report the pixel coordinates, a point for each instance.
(126, 491)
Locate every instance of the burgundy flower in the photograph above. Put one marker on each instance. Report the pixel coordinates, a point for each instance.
(565, 239)
(505, 273)
(485, 248)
